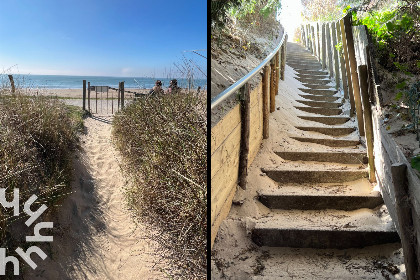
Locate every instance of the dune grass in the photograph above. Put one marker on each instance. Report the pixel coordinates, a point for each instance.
(163, 140)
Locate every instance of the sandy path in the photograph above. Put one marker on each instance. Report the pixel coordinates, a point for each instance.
(94, 236)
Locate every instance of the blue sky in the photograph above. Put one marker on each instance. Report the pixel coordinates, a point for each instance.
(101, 37)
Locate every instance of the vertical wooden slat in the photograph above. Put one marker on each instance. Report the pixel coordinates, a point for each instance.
(12, 83)
(84, 95)
(318, 38)
(277, 60)
(314, 40)
(363, 79)
(266, 92)
(347, 64)
(405, 219)
(272, 88)
(89, 97)
(342, 63)
(329, 50)
(324, 52)
(243, 155)
(353, 72)
(119, 94)
(122, 95)
(283, 60)
(335, 52)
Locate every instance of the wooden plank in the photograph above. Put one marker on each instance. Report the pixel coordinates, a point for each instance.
(266, 113)
(272, 87)
(224, 127)
(245, 123)
(84, 95)
(353, 72)
(122, 95)
(313, 40)
(256, 95)
(335, 55)
(222, 155)
(283, 61)
(318, 41)
(342, 64)
(324, 51)
(367, 111)
(277, 58)
(221, 215)
(347, 66)
(403, 208)
(89, 97)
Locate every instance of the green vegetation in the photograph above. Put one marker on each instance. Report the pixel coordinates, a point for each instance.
(37, 137)
(163, 140)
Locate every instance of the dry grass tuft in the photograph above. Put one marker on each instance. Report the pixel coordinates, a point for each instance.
(164, 142)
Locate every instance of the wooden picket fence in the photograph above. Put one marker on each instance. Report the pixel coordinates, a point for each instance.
(352, 68)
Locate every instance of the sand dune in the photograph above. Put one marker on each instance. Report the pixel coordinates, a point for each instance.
(94, 234)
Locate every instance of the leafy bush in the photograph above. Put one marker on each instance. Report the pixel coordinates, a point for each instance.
(164, 142)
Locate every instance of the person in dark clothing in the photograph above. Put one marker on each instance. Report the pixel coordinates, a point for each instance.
(157, 89)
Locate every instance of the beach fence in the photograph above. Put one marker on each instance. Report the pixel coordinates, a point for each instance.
(353, 68)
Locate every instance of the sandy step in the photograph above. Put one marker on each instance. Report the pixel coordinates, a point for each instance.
(321, 111)
(312, 72)
(323, 198)
(328, 92)
(310, 76)
(324, 98)
(312, 86)
(333, 131)
(339, 157)
(326, 120)
(314, 176)
(304, 64)
(324, 229)
(320, 104)
(328, 142)
(314, 81)
(307, 68)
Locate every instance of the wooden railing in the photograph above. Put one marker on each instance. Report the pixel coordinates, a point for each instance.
(236, 138)
(354, 73)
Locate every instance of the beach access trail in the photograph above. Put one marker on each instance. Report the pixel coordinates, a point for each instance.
(95, 236)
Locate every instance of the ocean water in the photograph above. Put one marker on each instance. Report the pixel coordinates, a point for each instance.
(70, 82)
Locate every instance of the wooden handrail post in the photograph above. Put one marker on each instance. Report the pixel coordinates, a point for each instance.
(244, 151)
(353, 71)
(317, 37)
(283, 60)
(314, 40)
(329, 51)
(119, 94)
(12, 83)
(335, 52)
(405, 219)
(277, 77)
(347, 64)
(266, 108)
(342, 63)
(363, 79)
(89, 97)
(272, 88)
(84, 95)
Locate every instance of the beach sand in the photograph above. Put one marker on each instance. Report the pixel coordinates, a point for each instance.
(95, 234)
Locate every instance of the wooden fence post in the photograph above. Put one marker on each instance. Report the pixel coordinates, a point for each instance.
(266, 92)
(283, 60)
(324, 51)
(329, 51)
(89, 97)
(342, 63)
(353, 71)
(405, 219)
(243, 155)
(367, 111)
(122, 95)
(12, 83)
(84, 95)
(276, 77)
(317, 37)
(314, 40)
(119, 94)
(272, 87)
(346, 60)
(335, 52)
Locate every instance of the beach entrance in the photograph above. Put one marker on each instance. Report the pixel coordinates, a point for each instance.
(103, 100)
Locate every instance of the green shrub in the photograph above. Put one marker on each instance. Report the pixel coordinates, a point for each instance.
(164, 142)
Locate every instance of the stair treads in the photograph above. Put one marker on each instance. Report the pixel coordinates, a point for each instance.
(307, 68)
(312, 86)
(312, 72)
(304, 64)
(321, 111)
(324, 229)
(320, 97)
(339, 157)
(333, 131)
(326, 120)
(328, 142)
(320, 201)
(314, 176)
(320, 104)
(328, 92)
(314, 81)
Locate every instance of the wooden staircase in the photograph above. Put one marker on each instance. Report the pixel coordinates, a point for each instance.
(321, 198)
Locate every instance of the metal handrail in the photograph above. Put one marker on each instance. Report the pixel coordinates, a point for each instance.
(230, 90)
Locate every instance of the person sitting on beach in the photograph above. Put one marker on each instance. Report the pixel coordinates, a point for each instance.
(173, 86)
(157, 89)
